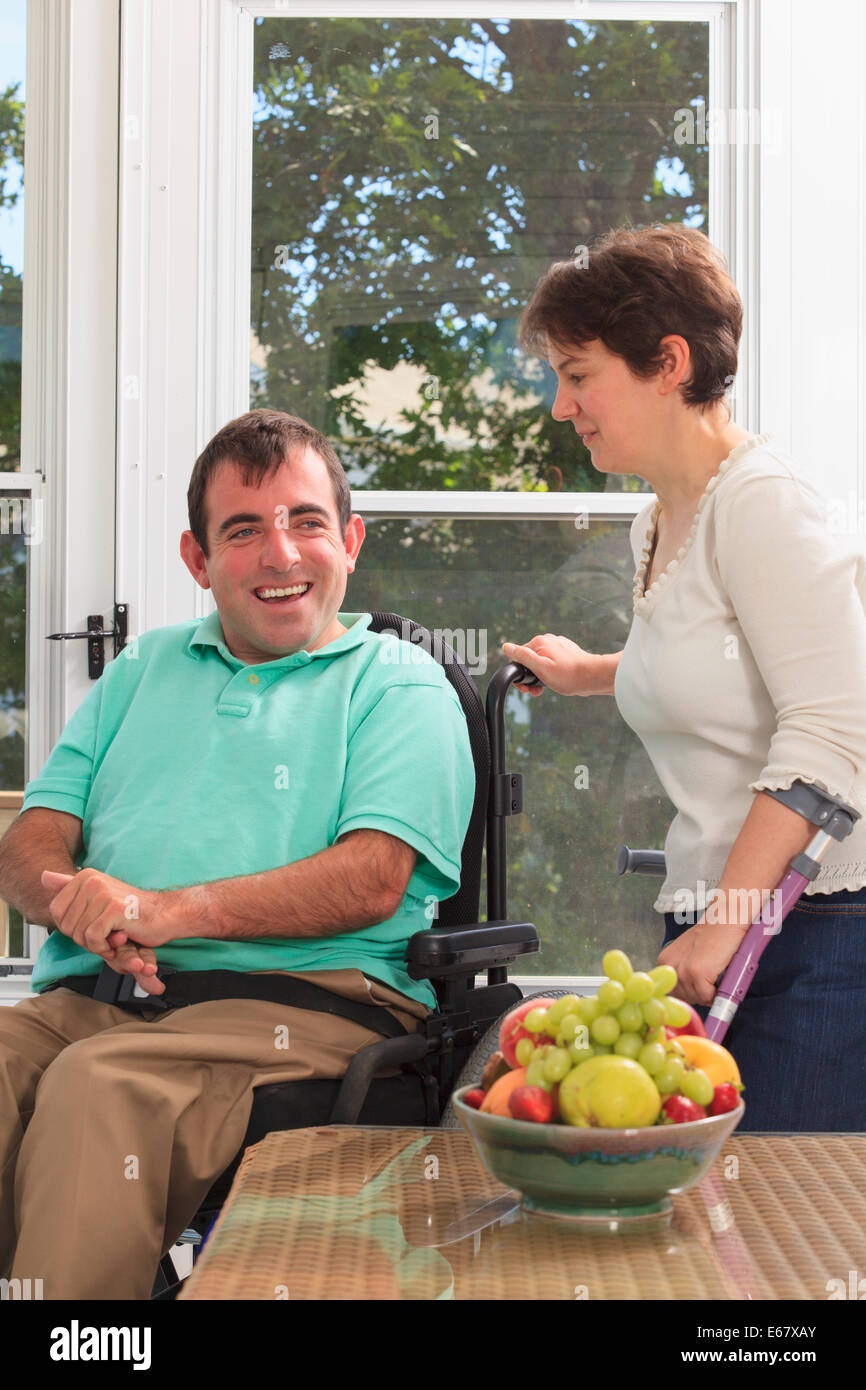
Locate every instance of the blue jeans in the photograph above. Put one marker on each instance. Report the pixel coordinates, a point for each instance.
(799, 1036)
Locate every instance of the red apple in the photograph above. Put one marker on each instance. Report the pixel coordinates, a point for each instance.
(475, 1098)
(679, 1110)
(533, 1103)
(512, 1030)
(695, 1024)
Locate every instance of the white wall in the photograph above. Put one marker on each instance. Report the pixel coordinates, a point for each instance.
(812, 238)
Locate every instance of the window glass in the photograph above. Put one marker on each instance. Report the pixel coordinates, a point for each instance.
(16, 523)
(588, 783)
(412, 180)
(12, 48)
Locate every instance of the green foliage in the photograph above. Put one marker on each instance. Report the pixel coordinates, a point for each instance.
(11, 142)
(10, 368)
(11, 155)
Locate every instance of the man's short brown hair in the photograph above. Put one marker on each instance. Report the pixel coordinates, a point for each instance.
(259, 443)
(637, 285)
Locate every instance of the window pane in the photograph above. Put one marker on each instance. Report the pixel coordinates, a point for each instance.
(14, 520)
(17, 532)
(412, 180)
(588, 783)
(12, 47)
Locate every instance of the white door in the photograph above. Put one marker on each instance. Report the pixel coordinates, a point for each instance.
(58, 469)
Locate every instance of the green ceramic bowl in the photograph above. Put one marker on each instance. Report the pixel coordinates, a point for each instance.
(601, 1177)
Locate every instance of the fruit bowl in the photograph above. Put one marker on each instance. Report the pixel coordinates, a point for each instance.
(603, 1178)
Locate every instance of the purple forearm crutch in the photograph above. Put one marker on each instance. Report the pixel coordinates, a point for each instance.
(741, 971)
(836, 820)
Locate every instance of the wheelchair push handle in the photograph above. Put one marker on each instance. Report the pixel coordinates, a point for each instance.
(640, 861)
(506, 788)
(526, 677)
(500, 684)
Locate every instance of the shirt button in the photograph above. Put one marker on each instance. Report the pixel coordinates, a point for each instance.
(253, 678)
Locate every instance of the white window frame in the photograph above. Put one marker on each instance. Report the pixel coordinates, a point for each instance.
(68, 365)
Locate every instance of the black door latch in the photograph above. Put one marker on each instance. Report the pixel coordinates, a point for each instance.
(95, 634)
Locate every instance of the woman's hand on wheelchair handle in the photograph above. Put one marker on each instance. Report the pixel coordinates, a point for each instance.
(561, 664)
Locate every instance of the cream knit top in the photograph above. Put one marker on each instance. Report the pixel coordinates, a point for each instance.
(745, 666)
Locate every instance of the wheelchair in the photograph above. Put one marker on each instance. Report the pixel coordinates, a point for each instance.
(450, 955)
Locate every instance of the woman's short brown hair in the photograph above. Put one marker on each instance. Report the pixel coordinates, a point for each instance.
(259, 443)
(637, 285)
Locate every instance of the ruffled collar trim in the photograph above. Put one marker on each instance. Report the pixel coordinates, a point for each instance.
(643, 603)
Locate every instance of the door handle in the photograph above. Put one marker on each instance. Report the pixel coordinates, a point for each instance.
(95, 636)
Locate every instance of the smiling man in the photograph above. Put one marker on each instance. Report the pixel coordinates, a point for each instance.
(280, 553)
(265, 793)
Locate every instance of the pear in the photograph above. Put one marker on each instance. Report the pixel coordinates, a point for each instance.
(574, 1091)
(610, 1091)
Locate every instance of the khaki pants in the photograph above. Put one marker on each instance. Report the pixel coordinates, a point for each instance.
(114, 1125)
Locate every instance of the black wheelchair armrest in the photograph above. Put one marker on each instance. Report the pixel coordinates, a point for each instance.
(469, 949)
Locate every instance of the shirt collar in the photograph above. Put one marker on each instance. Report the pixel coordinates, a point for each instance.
(209, 633)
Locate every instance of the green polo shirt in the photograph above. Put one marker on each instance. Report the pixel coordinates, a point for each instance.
(186, 765)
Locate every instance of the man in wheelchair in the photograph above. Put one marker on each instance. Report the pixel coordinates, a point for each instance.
(269, 791)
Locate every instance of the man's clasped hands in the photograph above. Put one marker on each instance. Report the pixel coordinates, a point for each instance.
(100, 913)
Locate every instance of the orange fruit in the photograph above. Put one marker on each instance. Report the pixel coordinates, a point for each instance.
(496, 1100)
(711, 1057)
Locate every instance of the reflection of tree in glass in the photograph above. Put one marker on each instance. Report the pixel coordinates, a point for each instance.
(375, 245)
(11, 154)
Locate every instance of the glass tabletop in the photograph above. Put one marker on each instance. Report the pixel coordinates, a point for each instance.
(354, 1212)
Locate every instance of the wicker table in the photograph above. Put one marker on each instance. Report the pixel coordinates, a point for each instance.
(345, 1212)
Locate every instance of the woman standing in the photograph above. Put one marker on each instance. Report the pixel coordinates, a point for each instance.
(745, 666)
